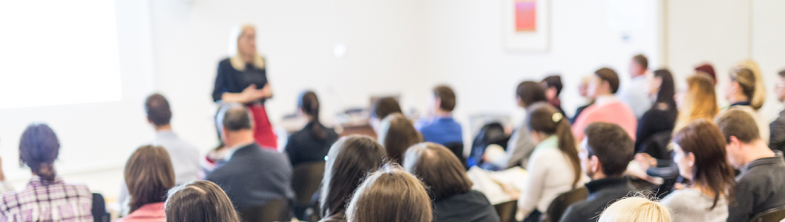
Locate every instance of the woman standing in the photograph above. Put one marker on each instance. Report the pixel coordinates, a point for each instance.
(242, 78)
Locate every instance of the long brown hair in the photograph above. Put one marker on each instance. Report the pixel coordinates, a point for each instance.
(349, 160)
(700, 101)
(711, 170)
(149, 175)
(199, 201)
(439, 169)
(397, 134)
(545, 119)
(390, 195)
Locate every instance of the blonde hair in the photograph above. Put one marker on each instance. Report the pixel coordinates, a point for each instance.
(759, 96)
(636, 209)
(700, 101)
(390, 195)
(236, 55)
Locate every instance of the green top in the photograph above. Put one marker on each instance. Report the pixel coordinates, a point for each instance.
(550, 142)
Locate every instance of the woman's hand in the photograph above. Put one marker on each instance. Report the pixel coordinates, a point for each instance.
(266, 92)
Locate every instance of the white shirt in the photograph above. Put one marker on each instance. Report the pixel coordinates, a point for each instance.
(692, 205)
(636, 94)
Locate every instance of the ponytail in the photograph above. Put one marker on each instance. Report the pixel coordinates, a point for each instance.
(545, 119)
(309, 104)
(758, 96)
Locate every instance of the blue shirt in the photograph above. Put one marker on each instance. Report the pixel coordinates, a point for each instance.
(441, 130)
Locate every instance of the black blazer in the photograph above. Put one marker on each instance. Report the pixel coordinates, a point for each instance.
(254, 176)
(602, 193)
(305, 147)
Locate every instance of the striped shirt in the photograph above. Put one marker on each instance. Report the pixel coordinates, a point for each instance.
(47, 201)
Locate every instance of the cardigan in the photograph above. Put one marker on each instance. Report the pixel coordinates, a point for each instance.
(550, 174)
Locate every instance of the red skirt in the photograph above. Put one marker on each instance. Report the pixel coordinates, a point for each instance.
(264, 130)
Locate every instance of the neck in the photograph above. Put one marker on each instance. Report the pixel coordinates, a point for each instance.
(757, 150)
(248, 58)
(167, 127)
(239, 137)
(441, 113)
(703, 189)
(738, 98)
(309, 118)
(639, 74)
(598, 176)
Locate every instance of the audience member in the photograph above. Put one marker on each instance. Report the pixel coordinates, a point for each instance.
(397, 134)
(604, 153)
(381, 109)
(217, 156)
(707, 69)
(777, 127)
(741, 91)
(759, 97)
(390, 195)
(583, 91)
(699, 102)
(448, 186)
(199, 201)
(252, 176)
(348, 162)
(312, 142)
(46, 197)
(699, 153)
(553, 86)
(759, 186)
(149, 174)
(520, 146)
(439, 126)
(636, 209)
(635, 93)
(554, 167)
(607, 107)
(661, 118)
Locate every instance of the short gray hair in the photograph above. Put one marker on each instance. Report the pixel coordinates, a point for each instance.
(234, 117)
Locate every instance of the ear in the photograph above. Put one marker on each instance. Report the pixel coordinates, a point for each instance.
(551, 92)
(734, 142)
(690, 157)
(149, 121)
(594, 164)
(520, 101)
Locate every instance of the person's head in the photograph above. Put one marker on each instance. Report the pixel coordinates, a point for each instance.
(741, 86)
(759, 96)
(237, 125)
(349, 160)
(740, 132)
(396, 134)
(309, 106)
(390, 195)
(530, 92)
(38, 149)
(440, 170)
(636, 209)
(699, 152)
(707, 69)
(699, 102)
(242, 48)
(779, 87)
(553, 86)
(606, 150)
(246, 41)
(544, 121)
(157, 108)
(664, 88)
(583, 87)
(148, 175)
(443, 99)
(199, 201)
(604, 82)
(381, 109)
(638, 65)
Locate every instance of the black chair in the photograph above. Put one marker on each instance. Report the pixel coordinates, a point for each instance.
(771, 215)
(560, 203)
(275, 210)
(507, 210)
(492, 133)
(457, 149)
(657, 146)
(99, 209)
(305, 182)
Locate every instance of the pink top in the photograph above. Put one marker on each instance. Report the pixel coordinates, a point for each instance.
(611, 111)
(153, 212)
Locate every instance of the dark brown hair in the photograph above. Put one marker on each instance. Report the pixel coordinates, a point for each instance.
(350, 159)
(711, 169)
(667, 90)
(309, 104)
(641, 60)
(439, 169)
(530, 93)
(396, 135)
(738, 123)
(38, 149)
(384, 107)
(446, 96)
(782, 73)
(390, 195)
(148, 175)
(199, 201)
(746, 80)
(553, 81)
(612, 146)
(157, 108)
(545, 119)
(610, 76)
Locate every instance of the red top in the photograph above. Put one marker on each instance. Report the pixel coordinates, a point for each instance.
(613, 111)
(153, 212)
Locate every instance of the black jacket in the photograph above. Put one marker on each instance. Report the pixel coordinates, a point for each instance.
(305, 147)
(471, 206)
(602, 193)
(759, 187)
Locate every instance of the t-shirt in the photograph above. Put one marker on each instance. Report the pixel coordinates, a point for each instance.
(441, 130)
(692, 205)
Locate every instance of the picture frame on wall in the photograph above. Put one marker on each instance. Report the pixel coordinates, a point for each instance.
(525, 25)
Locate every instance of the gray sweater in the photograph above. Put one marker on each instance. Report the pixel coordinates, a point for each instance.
(692, 205)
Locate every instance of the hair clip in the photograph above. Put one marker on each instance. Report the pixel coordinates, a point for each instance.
(556, 117)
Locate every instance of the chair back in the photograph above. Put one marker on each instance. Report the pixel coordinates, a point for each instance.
(274, 210)
(491, 133)
(306, 180)
(657, 146)
(771, 215)
(99, 209)
(564, 200)
(507, 210)
(457, 149)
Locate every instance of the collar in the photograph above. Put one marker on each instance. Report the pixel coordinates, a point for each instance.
(550, 142)
(602, 100)
(37, 181)
(612, 183)
(775, 160)
(742, 103)
(165, 133)
(231, 150)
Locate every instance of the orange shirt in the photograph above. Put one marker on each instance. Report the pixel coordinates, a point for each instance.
(153, 212)
(612, 111)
